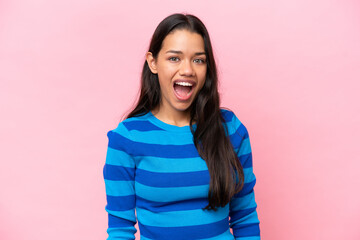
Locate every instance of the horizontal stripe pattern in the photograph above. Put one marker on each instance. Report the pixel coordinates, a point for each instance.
(246, 160)
(119, 188)
(116, 222)
(189, 204)
(246, 201)
(173, 165)
(246, 230)
(257, 237)
(241, 213)
(154, 167)
(180, 218)
(247, 189)
(177, 179)
(166, 151)
(125, 233)
(188, 232)
(142, 125)
(224, 236)
(155, 150)
(121, 218)
(120, 203)
(171, 194)
(163, 138)
(119, 158)
(113, 172)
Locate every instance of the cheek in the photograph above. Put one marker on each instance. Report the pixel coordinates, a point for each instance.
(165, 82)
(166, 74)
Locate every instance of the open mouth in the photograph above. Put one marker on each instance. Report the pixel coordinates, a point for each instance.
(183, 89)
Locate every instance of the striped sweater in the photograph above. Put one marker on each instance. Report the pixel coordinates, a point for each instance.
(154, 176)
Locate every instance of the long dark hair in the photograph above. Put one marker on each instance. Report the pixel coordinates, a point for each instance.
(210, 136)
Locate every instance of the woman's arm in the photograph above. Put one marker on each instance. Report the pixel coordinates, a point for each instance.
(119, 173)
(243, 216)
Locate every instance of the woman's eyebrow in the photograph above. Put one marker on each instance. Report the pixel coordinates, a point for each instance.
(174, 51)
(180, 52)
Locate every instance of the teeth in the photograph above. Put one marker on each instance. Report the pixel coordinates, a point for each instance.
(184, 84)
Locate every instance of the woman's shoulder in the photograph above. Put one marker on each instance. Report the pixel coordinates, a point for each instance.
(232, 122)
(135, 123)
(229, 116)
(122, 137)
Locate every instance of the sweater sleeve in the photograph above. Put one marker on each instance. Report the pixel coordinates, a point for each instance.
(243, 216)
(119, 173)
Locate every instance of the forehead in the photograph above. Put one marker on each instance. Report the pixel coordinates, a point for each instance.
(183, 40)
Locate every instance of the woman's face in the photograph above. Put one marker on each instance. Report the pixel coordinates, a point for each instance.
(181, 69)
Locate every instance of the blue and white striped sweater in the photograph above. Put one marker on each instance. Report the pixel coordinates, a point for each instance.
(154, 167)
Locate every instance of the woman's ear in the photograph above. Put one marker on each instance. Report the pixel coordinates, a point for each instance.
(151, 61)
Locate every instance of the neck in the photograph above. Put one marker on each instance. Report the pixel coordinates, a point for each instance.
(172, 117)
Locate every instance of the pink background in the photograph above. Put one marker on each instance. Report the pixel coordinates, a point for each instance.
(69, 70)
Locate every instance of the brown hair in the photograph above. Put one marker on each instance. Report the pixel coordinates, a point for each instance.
(210, 136)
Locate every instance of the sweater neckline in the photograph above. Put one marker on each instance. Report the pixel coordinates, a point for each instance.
(167, 126)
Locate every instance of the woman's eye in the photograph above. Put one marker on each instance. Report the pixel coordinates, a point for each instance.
(174, 59)
(199, 60)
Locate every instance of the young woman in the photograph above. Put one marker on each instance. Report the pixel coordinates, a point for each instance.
(183, 163)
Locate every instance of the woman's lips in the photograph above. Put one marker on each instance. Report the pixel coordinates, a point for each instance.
(183, 89)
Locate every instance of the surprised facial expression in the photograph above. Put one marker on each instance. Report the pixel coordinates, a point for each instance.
(181, 68)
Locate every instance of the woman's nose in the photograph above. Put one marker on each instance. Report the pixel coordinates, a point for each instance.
(186, 68)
